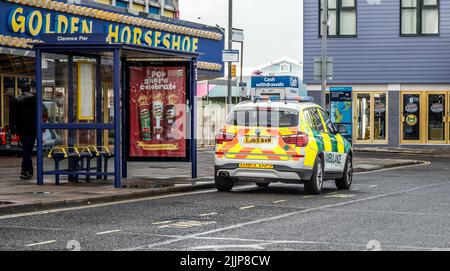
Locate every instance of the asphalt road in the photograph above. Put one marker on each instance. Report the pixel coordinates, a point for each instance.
(400, 209)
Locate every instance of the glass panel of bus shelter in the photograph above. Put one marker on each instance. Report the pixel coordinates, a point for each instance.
(84, 106)
(55, 91)
(411, 117)
(107, 72)
(363, 114)
(9, 93)
(379, 117)
(436, 117)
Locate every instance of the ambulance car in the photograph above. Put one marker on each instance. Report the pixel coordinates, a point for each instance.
(276, 139)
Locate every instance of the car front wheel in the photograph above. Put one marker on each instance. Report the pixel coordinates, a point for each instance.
(315, 184)
(345, 182)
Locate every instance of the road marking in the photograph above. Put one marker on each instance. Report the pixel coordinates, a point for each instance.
(267, 219)
(247, 207)
(162, 222)
(373, 186)
(307, 197)
(187, 224)
(220, 247)
(332, 193)
(41, 243)
(107, 232)
(209, 214)
(340, 196)
(279, 201)
(118, 203)
(301, 242)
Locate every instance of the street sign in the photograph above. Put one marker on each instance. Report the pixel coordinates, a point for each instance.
(275, 82)
(237, 35)
(230, 55)
(243, 84)
(318, 68)
(233, 71)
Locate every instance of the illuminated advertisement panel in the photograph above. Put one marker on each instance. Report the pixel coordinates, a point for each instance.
(157, 112)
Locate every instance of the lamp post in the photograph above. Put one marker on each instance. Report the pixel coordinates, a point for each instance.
(230, 47)
(324, 22)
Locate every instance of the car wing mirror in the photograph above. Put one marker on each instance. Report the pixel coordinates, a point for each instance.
(342, 129)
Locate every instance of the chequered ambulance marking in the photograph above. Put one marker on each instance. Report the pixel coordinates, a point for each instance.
(281, 151)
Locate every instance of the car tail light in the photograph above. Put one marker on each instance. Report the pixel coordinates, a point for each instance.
(223, 137)
(300, 139)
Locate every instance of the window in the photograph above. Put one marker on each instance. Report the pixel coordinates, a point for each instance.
(419, 17)
(285, 68)
(341, 16)
(169, 3)
(264, 117)
(313, 117)
(330, 126)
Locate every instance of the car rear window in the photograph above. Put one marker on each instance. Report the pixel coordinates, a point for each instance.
(264, 117)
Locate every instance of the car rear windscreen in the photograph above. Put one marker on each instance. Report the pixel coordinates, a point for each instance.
(264, 117)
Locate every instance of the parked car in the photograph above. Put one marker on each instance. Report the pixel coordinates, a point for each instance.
(290, 140)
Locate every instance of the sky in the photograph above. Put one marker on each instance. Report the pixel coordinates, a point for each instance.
(272, 29)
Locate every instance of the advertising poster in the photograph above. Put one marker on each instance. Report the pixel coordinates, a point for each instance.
(158, 112)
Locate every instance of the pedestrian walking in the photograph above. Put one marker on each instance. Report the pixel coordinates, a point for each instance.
(25, 127)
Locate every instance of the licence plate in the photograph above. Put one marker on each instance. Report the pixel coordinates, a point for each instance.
(258, 166)
(257, 140)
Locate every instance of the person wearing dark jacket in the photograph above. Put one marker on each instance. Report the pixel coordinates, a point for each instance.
(25, 112)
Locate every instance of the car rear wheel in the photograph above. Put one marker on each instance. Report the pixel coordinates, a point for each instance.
(345, 182)
(315, 184)
(223, 184)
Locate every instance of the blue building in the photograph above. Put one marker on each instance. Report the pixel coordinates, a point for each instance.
(395, 57)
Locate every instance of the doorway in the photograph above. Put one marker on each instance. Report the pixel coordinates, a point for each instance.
(370, 117)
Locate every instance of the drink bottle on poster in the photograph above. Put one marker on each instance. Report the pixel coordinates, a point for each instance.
(144, 117)
(158, 111)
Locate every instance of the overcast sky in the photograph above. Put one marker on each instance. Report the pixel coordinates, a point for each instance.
(272, 29)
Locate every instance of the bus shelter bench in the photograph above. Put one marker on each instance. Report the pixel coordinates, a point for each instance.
(106, 154)
(61, 153)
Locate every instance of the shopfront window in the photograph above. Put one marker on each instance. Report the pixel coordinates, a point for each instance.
(436, 117)
(411, 117)
(380, 116)
(371, 117)
(363, 115)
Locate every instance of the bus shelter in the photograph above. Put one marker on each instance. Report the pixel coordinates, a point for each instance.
(116, 103)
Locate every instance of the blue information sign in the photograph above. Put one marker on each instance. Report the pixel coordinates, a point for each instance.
(274, 82)
(341, 109)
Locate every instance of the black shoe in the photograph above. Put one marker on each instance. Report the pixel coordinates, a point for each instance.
(30, 173)
(24, 175)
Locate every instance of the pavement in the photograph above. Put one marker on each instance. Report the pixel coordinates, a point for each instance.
(148, 179)
(392, 209)
(418, 149)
